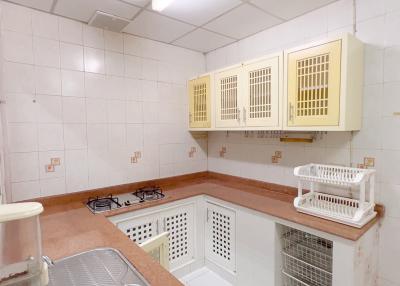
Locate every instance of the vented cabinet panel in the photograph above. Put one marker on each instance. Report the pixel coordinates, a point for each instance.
(314, 85)
(179, 222)
(221, 236)
(199, 103)
(228, 97)
(262, 93)
(139, 229)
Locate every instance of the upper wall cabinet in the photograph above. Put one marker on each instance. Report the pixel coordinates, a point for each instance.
(248, 96)
(200, 102)
(323, 86)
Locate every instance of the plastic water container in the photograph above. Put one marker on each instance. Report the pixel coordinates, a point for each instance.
(21, 260)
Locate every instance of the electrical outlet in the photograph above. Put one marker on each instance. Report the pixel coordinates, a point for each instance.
(191, 154)
(193, 149)
(223, 149)
(278, 154)
(49, 168)
(55, 161)
(138, 154)
(134, 159)
(221, 154)
(274, 160)
(361, 166)
(369, 162)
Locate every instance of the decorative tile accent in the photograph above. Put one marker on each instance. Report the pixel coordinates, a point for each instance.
(369, 162)
(49, 168)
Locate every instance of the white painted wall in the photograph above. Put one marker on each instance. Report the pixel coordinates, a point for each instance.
(92, 98)
(378, 26)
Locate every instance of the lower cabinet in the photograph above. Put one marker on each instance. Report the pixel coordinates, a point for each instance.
(178, 221)
(250, 248)
(220, 236)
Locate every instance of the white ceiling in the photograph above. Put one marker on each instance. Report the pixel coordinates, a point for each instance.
(200, 25)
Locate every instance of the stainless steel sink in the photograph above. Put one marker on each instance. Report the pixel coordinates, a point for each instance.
(98, 267)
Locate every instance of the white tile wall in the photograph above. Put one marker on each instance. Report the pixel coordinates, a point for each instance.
(78, 93)
(377, 26)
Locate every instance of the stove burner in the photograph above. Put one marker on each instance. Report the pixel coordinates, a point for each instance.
(102, 204)
(149, 193)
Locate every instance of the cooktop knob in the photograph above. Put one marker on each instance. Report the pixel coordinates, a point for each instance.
(127, 203)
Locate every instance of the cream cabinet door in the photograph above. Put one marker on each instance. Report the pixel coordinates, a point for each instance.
(200, 102)
(262, 93)
(228, 86)
(313, 85)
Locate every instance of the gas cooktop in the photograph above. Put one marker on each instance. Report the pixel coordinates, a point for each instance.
(112, 202)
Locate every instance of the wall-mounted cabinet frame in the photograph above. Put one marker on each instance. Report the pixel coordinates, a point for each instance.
(323, 85)
(199, 90)
(314, 87)
(248, 96)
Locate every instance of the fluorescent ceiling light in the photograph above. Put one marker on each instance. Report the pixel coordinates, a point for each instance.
(159, 5)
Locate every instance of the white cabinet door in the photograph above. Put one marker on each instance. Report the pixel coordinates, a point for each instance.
(228, 85)
(220, 236)
(140, 228)
(180, 224)
(261, 81)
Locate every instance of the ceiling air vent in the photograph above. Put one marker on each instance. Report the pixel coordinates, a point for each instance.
(108, 22)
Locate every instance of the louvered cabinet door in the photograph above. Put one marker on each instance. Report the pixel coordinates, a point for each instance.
(221, 236)
(200, 102)
(139, 229)
(228, 88)
(262, 93)
(313, 85)
(179, 223)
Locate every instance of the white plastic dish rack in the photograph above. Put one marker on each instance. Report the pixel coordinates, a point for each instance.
(354, 212)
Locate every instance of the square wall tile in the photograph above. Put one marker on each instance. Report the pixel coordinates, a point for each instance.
(134, 112)
(133, 66)
(134, 137)
(22, 137)
(98, 168)
(16, 18)
(391, 58)
(114, 63)
(115, 88)
(132, 45)
(95, 86)
(93, 37)
(51, 137)
(116, 112)
(94, 60)
(116, 136)
(96, 110)
(47, 52)
(75, 136)
(74, 110)
(52, 187)
(45, 25)
(18, 78)
(97, 135)
(24, 166)
(71, 31)
(149, 69)
(48, 80)
(21, 107)
(133, 89)
(49, 109)
(17, 47)
(71, 57)
(76, 170)
(114, 41)
(25, 191)
(73, 83)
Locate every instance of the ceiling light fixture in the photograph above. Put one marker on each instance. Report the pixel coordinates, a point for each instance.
(159, 5)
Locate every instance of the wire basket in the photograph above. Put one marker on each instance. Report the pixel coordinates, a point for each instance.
(288, 280)
(354, 212)
(308, 248)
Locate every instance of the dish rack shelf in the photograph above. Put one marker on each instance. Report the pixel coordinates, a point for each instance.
(350, 211)
(306, 259)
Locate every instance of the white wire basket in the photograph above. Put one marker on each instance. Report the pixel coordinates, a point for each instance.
(350, 211)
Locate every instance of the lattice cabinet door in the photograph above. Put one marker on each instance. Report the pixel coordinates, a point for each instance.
(262, 93)
(200, 102)
(313, 85)
(228, 86)
(139, 229)
(180, 224)
(221, 236)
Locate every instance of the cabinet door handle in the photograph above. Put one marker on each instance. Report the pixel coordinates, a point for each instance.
(190, 117)
(164, 224)
(158, 227)
(244, 114)
(238, 114)
(207, 215)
